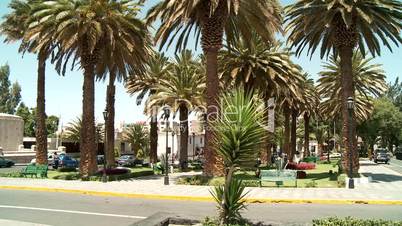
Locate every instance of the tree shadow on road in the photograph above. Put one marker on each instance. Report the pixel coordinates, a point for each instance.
(383, 177)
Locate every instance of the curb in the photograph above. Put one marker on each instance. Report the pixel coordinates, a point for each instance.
(205, 199)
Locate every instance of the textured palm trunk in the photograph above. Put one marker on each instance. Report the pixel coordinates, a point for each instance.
(211, 40)
(41, 133)
(183, 159)
(286, 137)
(306, 134)
(346, 54)
(110, 100)
(267, 150)
(153, 155)
(88, 163)
(293, 134)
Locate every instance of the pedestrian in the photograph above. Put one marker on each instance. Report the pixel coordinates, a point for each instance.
(55, 161)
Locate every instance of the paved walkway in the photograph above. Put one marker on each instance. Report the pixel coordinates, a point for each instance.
(386, 187)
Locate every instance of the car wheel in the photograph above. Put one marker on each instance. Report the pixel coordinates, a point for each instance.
(375, 161)
(9, 164)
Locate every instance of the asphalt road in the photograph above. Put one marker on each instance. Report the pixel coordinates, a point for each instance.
(395, 165)
(66, 209)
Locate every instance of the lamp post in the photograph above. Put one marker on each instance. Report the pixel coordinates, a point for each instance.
(166, 115)
(173, 133)
(105, 116)
(193, 145)
(350, 105)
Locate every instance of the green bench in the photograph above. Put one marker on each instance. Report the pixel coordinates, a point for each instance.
(278, 176)
(34, 170)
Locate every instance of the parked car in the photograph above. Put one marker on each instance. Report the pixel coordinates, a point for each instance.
(129, 160)
(49, 160)
(381, 155)
(100, 159)
(6, 162)
(67, 161)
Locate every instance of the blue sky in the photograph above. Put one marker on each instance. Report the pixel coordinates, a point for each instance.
(64, 94)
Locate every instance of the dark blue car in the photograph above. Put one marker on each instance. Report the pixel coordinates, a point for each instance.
(67, 162)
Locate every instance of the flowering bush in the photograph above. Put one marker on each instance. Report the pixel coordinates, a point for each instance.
(300, 166)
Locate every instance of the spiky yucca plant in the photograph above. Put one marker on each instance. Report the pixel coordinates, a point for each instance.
(238, 137)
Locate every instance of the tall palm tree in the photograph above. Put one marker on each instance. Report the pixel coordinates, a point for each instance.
(368, 80)
(341, 26)
(184, 92)
(157, 68)
(212, 19)
(118, 62)
(90, 31)
(256, 64)
(309, 108)
(16, 28)
(138, 137)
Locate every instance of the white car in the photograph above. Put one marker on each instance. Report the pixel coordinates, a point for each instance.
(49, 160)
(335, 155)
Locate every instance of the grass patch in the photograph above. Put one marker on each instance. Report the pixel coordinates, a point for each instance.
(320, 177)
(62, 175)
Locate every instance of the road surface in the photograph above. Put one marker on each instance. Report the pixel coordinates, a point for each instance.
(64, 209)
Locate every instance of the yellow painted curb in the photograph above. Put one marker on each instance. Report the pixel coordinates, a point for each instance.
(205, 199)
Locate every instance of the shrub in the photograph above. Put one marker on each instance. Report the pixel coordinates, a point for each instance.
(341, 181)
(301, 175)
(194, 180)
(67, 169)
(300, 166)
(311, 184)
(113, 171)
(349, 221)
(70, 176)
(13, 174)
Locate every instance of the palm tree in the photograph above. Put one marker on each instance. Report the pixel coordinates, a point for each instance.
(158, 67)
(258, 65)
(73, 131)
(212, 19)
(309, 108)
(138, 136)
(184, 92)
(341, 26)
(16, 28)
(90, 32)
(121, 62)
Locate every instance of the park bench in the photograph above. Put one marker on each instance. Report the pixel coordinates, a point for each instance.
(34, 170)
(278, 176)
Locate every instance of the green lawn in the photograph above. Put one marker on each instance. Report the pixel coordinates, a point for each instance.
(318, 177)
(57, 175)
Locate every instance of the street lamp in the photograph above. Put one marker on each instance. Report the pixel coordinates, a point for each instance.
(350, 105)
(173, 133)
(105, 116)
(193, 145)
(166, 115)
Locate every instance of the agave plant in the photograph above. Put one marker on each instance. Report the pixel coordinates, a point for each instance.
(238, 137)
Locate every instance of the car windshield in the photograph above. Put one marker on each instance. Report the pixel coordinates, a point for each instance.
(125, 157)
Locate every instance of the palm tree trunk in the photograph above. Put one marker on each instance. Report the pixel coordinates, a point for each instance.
(306, 134)
(41, 133)
(211, 41)
(110, 100)
(183, 136)
(293, 134)
(346, 54)
(286, 141)
(153, 154)
(88, 164)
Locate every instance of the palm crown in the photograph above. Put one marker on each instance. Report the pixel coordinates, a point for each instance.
(331, 23)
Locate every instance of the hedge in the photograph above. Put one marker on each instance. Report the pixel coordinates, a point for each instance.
(350, 221)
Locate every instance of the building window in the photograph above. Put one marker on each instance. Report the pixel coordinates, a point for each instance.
(200, 140)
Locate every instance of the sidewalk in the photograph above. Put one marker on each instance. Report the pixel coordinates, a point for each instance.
(379, 192)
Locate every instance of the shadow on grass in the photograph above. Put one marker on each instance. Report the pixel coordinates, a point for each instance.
(320, 176)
